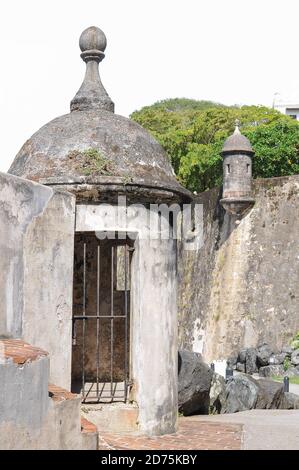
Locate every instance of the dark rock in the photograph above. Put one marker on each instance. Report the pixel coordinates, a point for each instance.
(217, 393)
(194, 384)
(232, 362)
(250, 361)
(276, 359)
(295, 357)
(270, 394)
(241, 393)
(263, 355)
(290, 401)
(287, 350)
(271, 371)
(240, 367)
(242, 356)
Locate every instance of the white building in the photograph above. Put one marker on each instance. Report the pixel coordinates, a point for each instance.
(290, 107)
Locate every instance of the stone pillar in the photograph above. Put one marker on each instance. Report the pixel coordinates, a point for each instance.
(154, 335)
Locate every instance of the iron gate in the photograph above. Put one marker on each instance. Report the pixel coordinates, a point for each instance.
(98, 384)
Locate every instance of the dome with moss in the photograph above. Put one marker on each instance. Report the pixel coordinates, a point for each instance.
(93, 151)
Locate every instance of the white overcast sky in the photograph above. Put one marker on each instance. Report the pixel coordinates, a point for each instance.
(231, 51)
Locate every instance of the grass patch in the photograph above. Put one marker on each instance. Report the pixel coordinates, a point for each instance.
(96, 163)
(92, 162)
(293, 380)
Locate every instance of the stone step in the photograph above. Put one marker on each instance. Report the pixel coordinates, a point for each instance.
(33, 413)
(112, 417)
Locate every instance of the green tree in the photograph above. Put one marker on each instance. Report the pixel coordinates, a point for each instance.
(276, 148)
(192, 133)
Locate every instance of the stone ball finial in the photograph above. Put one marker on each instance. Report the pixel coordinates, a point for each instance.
(92, 94)
(92, 43)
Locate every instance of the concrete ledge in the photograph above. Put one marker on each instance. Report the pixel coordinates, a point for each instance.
(60, 394)
(87, 426)
(19, 351)
(33, 413)
(116, 418)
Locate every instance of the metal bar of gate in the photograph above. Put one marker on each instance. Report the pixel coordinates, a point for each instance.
(111, 321)
(98, 318)
(81, 317)
(126, 322)
(84, 319)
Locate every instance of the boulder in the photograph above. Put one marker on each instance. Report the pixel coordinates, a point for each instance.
(292, 372)
(217, 393)
(241, 393)
(242, 356)
(287, 350)
(277, 358)
(240, 367)
(194, 384)
(270, 395)
(290, 401)
(271, 371)
(250, 361)
(263, 355)
(295, 357)
(232, 362)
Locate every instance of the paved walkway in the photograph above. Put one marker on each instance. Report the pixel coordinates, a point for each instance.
(294, 388)
(191, 435)
(263, 429)
(252, 430)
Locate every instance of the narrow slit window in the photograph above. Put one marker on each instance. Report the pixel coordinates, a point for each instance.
(228, 168)
(248, 167)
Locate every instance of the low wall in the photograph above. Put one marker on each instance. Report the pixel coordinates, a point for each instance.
(36, 269)
(34, 415)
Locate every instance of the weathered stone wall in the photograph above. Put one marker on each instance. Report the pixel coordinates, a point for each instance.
(34, 415)
(20, 203)
(242, 286)
(36, 269)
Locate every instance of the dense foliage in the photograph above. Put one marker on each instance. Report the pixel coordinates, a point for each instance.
(192, 132)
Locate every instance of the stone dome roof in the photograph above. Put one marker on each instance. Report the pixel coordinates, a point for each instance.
(237, 143)
(92, 146)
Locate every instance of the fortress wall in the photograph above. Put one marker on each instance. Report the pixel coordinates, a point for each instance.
(242, 287)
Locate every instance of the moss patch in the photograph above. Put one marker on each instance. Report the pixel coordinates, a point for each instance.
(127, 179)
(91, 162)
